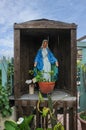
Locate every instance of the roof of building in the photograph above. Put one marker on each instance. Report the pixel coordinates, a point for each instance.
(44, 23)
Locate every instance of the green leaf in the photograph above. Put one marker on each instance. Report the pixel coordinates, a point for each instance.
(59, 126)
(11, 125)
(6, 112)
(41, 97)
(28, 119)
(45, 111)
(25, 125)
(7, 107)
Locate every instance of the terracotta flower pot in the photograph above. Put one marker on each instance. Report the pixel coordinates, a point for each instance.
(46, 87)
(83, 122)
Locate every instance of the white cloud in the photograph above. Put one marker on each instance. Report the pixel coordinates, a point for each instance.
(11, 12)
(16, 11)
(6, 47)
(6, 52)
(7, 42)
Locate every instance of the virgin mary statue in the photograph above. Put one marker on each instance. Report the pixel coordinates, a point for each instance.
(45, 61)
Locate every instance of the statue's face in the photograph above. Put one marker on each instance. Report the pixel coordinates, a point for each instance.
(45, 44)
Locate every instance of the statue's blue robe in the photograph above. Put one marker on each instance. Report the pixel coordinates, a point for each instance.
(52, 60)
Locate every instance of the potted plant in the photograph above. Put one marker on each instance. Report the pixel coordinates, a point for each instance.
(82, 118)
(45, 86)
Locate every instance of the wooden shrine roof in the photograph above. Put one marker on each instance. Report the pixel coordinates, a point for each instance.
(44, 23)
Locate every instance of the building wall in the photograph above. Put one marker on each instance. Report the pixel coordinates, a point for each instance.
(82, 86)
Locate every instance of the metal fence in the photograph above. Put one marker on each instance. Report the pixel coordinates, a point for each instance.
(7, 73)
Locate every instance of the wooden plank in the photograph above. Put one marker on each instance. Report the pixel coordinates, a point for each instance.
(73, 62)
(71, 119)
(37, 118)
(75, 115)
(24, 103)
(65, 115)
(17, 81)
(20, 110)
(44, 24)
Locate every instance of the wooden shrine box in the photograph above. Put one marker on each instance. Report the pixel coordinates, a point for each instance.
(28, 38)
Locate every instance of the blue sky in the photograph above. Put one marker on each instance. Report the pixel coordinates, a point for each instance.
(17, 11)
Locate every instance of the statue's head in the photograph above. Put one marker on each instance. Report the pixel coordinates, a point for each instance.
(45, 43)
